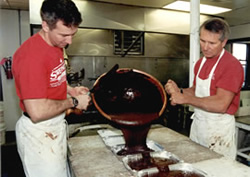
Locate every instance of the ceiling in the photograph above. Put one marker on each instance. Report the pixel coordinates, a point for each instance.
(236, 17)
(24, 4)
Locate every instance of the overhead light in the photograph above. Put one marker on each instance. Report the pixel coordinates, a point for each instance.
(204, 9)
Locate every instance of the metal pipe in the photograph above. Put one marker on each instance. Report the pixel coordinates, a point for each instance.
(20, 27)
(194, 37)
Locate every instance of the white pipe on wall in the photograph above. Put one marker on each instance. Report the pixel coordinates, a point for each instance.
(194, 37)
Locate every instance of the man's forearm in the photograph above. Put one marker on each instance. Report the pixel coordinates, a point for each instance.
(218, 103)
(44, 109)
(189, 91)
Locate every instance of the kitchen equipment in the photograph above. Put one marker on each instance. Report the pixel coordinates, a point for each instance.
(131, 99)
(6, 63)
(106, 78)
(151, 163)
(91, 108)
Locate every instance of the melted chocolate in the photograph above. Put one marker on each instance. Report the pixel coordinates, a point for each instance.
(128, 92)
(135, 127)
(177, 173)
(132, 101)
(133, 119)
(161, 164)
(135, 139)
(149, 162)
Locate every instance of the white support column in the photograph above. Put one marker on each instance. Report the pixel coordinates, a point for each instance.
(194, 37)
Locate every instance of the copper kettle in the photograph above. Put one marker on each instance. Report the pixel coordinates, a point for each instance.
(127, 91)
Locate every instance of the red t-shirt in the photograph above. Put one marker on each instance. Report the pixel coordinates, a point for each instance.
(39, 71)
(228, 75)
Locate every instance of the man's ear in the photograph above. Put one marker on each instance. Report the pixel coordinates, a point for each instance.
(45, 26)
(224, 43)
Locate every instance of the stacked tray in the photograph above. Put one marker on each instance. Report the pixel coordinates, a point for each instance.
(160, 164)
(114, 140)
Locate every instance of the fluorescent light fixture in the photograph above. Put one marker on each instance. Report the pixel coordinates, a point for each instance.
(204, 9)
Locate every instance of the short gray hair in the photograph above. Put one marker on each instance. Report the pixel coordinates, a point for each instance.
(217, 25)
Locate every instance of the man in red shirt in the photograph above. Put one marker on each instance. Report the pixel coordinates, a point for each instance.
(40, 79)
(215, 94)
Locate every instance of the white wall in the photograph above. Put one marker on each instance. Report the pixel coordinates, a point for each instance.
(14, 29)
(240, 31)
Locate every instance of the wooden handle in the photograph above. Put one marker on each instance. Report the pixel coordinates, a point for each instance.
(73, 111)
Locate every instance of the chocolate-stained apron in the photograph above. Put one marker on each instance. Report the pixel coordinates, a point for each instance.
(43, 147)
(213, 130)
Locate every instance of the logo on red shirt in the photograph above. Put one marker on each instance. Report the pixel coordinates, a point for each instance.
(58, 75)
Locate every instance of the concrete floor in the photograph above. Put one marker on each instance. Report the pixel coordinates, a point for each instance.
(11, 165)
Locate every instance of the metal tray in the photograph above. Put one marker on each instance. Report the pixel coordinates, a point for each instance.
(147, 166)
(187, 169)
(115, 141)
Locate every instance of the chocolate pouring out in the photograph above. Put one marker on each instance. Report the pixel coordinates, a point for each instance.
(131, 99)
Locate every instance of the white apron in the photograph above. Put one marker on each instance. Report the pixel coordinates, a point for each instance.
(43, 147)
(213, 130)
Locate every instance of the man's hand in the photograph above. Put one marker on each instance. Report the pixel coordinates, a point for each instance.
(83, 100)
(171, 87)
(177, 98)
(75, 91)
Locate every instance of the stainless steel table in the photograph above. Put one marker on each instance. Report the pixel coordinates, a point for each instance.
(89, 156)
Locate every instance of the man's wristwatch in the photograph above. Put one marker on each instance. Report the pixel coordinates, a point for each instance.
(181, 90)
(75, 102)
